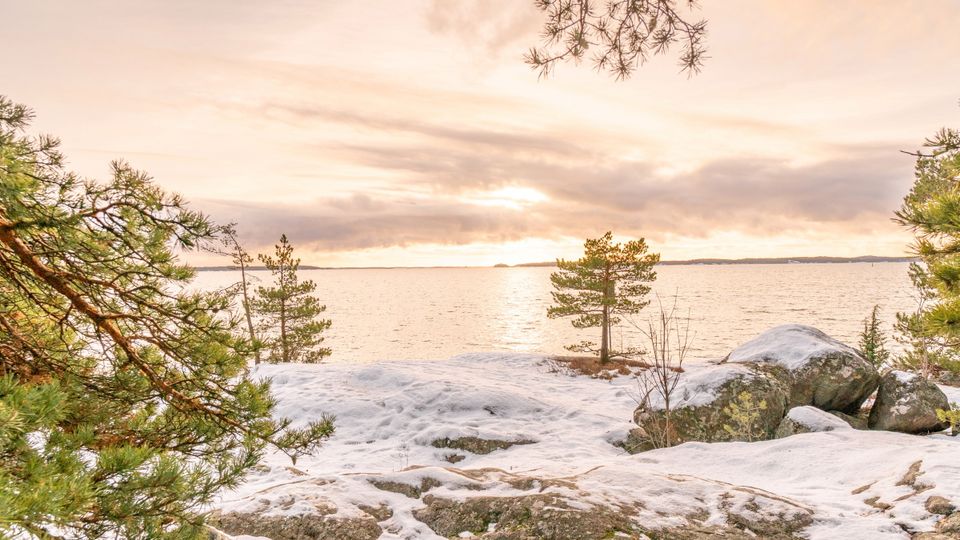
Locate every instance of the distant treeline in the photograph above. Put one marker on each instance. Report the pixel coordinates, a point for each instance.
(758, 260)
(261, 267)
(766, 260)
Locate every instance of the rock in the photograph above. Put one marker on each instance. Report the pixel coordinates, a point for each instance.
(312, 526)
(636, 442)
(699, 401)
(939, 505)
(552, 517)
(950, 525)
(519, 518)
(856, 422)
(808, 419)
(907, 403)
(454, 458)
(410, 490)
(818, 369)
(215, 534)
(476, 445)
(380, 512)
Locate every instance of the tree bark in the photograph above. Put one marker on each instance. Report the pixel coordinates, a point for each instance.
(605, 320)
(604, 337)
(284, 349)
(246, 304)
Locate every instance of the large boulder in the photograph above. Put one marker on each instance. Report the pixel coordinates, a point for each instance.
(818, 369)
(703, 403)
(908, 403)
(808, 419)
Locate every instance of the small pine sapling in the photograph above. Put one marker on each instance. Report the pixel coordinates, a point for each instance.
(744, 415)
(952, 417)
(873, 341)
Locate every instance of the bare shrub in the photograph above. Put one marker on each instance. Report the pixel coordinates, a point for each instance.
(666, 338)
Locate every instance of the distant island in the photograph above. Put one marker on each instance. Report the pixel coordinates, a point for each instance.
(230, 268)
(757, 260)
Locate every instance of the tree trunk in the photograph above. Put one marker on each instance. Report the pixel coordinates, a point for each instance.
(246, 308)
(284, 348)
(605, 320)
(605, 336)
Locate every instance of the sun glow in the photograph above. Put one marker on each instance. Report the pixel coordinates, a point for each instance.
(514, 197)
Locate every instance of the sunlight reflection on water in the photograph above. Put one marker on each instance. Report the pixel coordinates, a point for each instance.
(436, 313)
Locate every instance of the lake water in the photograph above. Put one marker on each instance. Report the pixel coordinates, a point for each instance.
(436, 313)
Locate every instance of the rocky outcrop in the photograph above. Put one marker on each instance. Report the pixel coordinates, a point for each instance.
(939, 505)
(307, 526)
(552, 517)
(808, 419)
(531, 516)
(947, 528)
(819, 370)
(701, 406)
(907, 403)
(477, 445)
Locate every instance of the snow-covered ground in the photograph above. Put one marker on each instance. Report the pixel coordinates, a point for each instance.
(389, 413)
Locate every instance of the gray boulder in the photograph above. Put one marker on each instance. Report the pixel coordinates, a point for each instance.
(808, 419)
(907, 403)
(700, 406)
(818, 369)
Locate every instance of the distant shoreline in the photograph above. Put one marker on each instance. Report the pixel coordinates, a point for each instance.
(764, 260)
(691, 262)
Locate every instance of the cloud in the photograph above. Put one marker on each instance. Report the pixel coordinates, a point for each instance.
(494, 25)
(362, 222)
(762, 197)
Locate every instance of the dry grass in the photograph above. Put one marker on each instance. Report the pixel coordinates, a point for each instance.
(591, 366)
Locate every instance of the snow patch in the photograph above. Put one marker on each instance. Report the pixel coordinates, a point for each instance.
(904, 377)
(815, 419)
(952, 393)
(791, 346)
(389, 412)
(698, 386)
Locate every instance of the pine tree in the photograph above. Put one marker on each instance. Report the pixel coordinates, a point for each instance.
(873, 341)
(289, 311)
(125, 403)
(932, 211)
(609, 281)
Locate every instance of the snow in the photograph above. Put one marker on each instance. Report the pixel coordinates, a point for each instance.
(904, 377)
(952, 393)
(388, 413)
(789, 345)
(815, 419)
(699, 387)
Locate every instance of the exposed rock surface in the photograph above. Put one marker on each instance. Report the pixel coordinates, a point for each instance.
(520, 518)
(551, 517)
(907, 403)
(808, 419)
(947, 528)
(939, 505)
(302, 527)
(701, 401)
(410, 490)
(477, 445)
(817, 369)
(213, 534)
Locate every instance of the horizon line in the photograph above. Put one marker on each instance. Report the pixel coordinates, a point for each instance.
(706, 261)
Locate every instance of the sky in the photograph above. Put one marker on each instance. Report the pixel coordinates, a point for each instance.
(385, 133)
